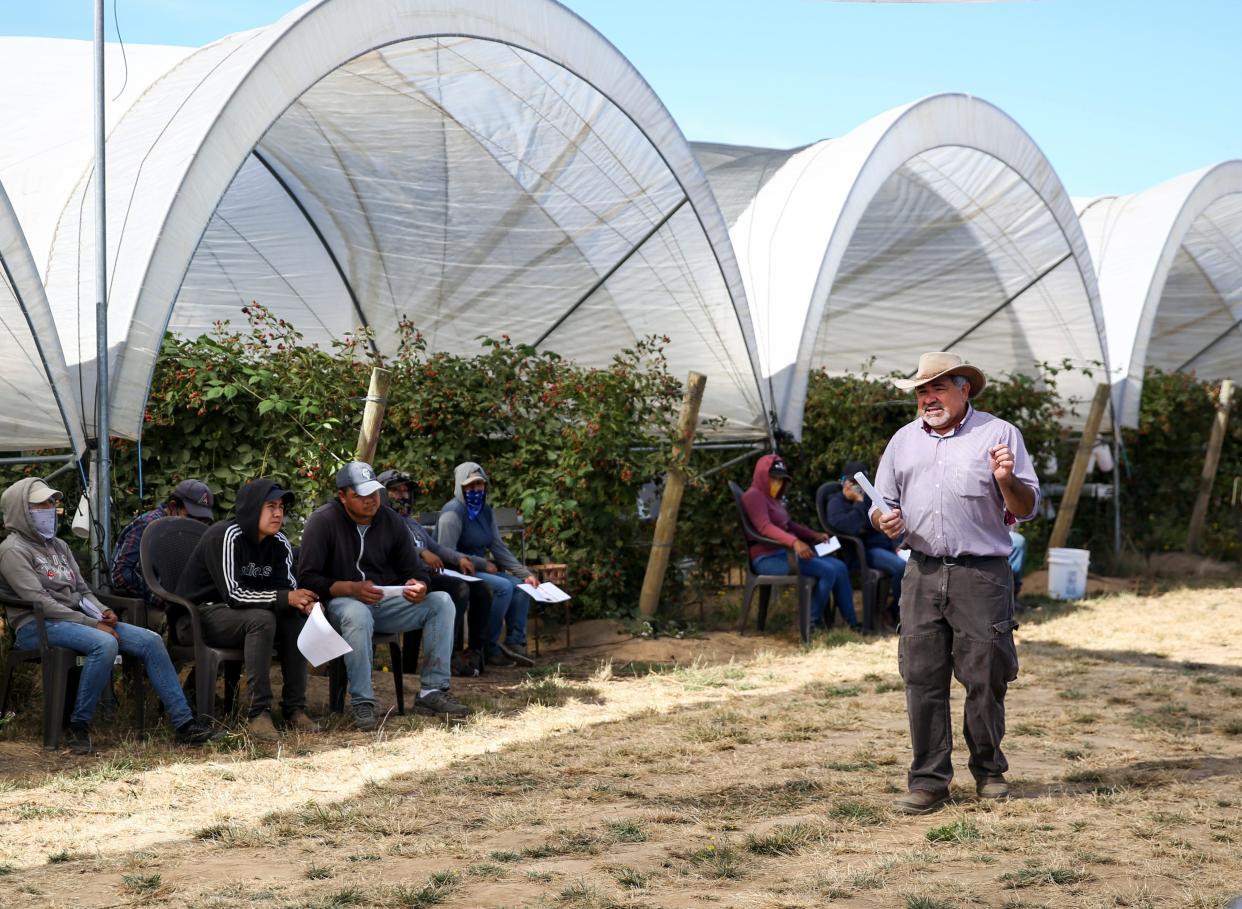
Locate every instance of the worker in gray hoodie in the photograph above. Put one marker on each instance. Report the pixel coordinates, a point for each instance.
(468, 526)
(37, 566)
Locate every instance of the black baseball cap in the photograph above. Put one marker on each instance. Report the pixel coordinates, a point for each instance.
(283, 495)
(778, 469)
(197, 498)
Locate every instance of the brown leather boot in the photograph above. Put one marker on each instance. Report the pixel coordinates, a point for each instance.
(993, 787)
(262, 729)
(920, 801)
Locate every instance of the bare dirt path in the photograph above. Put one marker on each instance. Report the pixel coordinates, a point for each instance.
(762, 782)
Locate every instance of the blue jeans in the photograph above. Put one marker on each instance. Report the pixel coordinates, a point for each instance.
(100, 650)
(831, 577)
(356, 622)
(510, 608)
(1017, 555)
(891, 564)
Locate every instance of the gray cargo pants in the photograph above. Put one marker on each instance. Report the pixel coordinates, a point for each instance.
(256, 632)
(956, 615)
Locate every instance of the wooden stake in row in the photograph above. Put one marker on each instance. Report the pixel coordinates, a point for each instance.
(1078, 472)
(1198, 518)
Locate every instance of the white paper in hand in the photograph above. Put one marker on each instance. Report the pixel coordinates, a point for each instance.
(904, 554)
(394, 590)
(450, 573)
(876, 499)
(547, 592)
(319, 641)
(823, 549)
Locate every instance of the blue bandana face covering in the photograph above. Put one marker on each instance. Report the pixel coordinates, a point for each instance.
(44, 521)
(474, 502)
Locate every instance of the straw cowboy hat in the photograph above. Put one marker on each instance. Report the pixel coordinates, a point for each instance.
(939, 363)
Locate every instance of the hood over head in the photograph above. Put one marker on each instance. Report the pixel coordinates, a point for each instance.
(250, 499)
(15, 503)
(766, 468)
(463, 473)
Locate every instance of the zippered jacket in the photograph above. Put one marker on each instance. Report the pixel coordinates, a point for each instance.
(334, 548)
(230, 565)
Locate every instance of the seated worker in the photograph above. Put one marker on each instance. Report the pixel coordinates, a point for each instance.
(39, 567)
(241, 574)
(352, 547)
(190, 499)
(473, 601)
(1017, 559)
(467, 525)
(769, 517)
(848, 514)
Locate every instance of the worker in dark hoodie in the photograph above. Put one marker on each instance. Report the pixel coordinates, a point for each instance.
(241, 575)
(765, 507)
(468, 526)
(39, 567)
(352, 548)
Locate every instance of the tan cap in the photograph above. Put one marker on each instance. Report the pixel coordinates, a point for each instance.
(40, 492)
(939, 363)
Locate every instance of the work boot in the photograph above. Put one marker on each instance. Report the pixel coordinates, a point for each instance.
(364, 716)
(992, 787)
(498, 659)
(299, 720)
(517, 653)
(262, 729)
(441, 703)
(920, 801)
(79, 738)
(198, 731)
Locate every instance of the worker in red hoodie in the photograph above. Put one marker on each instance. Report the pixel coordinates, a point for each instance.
(766, 510)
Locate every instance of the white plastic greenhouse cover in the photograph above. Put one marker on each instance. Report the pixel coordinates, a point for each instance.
(34, 368)
(481, 167)
(1169, 260)
(937, 225)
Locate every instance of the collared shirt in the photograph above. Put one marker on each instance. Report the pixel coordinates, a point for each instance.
(950, 501)
(126, 566)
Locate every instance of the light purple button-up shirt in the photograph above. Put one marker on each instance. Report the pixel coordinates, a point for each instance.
(944, 486)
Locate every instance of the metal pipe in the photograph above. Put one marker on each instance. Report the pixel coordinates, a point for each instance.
(103, 455)
(38, 459)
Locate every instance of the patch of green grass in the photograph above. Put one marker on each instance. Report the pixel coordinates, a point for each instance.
(486, 871)
(65, 855)
(1026, 729)
(1072, 694)
(1072, 754)
(889, 685)
(718, 861)
(578, 895)
(627, 832)
(638, 668)
(856, 813)
(7, 868)
(580, 842)
(319, 872)
(350, 896)
(141, 883)
(839, 691)
(1087, 857)
(439, 887)
(30, 812)
(785, 839)
(1231, 727)
(547, 669)
(631, 878)
(926, 902)
(1084, 776)
(364, 857)
(541, 877)
(852, 766)
(963, 830)
(1032, 877)
(506, 856)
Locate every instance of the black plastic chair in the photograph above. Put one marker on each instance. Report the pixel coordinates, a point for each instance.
(765, 582)
(872, 581)
(508, 521)
(338, 680)
(164, 552)
(56, 664)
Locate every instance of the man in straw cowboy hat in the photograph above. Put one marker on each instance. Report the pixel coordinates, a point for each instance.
(954, 480)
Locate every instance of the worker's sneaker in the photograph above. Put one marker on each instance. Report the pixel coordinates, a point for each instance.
(993, 787)
(364, 716)
(298, 720)
(920, 801)
(517, 653)
(262, 729)
(441, 703)
(498, 659)
(79, 738)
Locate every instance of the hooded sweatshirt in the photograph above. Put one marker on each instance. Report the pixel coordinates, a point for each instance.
(476, 536)
(768, 515)
(334, 548)
(231, 565)
(44, 571)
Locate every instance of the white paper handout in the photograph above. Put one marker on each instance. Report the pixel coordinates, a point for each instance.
(904, 554)
(876, 500)
(547, 592)
(823, 549)
(450, 573)
(319, 641)
(394, 590)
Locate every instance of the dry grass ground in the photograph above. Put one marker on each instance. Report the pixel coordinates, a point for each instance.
(762, 781)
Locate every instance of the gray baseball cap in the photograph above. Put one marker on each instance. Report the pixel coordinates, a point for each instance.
(197, 498)
(359, 476)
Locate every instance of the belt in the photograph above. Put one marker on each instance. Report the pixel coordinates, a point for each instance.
(965, 559)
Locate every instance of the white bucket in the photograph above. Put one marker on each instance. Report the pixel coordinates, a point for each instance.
(1067, 573)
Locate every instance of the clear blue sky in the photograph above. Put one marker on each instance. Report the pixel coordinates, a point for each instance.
(1120, 94)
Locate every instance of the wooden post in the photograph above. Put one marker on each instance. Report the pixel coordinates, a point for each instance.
(670, 501)
(1198, 518)
(373, 415)
(1078, 472)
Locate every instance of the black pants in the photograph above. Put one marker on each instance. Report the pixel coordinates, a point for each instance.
(956, 618)
(257, 632)
(473, 603)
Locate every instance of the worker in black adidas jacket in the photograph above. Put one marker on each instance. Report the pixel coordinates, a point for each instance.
(242, 575)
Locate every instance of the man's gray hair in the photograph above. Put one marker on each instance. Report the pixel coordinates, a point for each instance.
(960, 381)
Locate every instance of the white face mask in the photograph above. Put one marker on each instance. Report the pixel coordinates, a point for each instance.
(44, 521)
